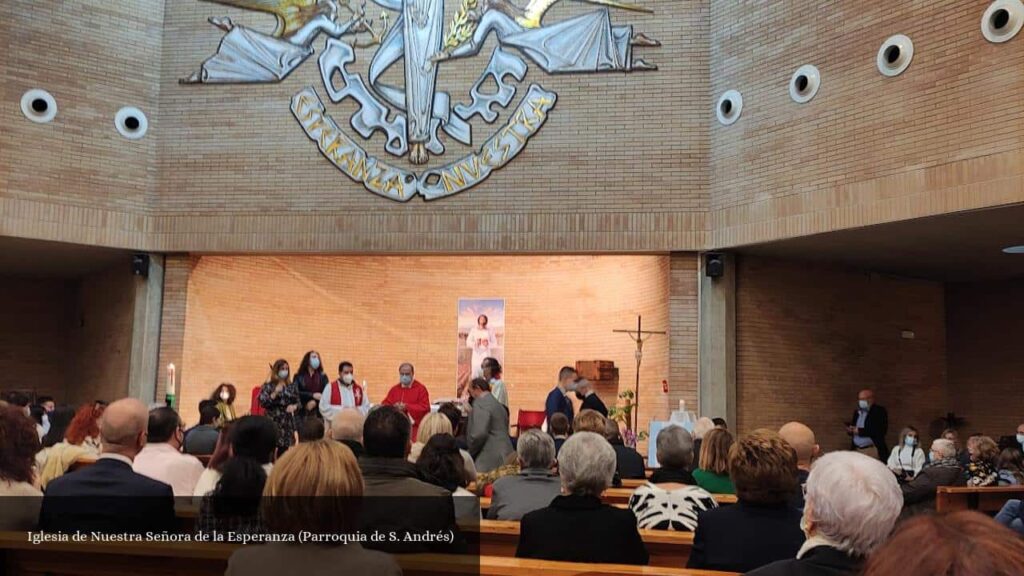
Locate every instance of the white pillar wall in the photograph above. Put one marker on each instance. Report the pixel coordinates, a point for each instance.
(144, 367)
(717, 341)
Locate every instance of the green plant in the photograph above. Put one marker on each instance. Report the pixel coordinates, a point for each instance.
(624, 413)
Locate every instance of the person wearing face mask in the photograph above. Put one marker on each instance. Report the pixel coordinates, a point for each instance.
(409, 396)
(868, 427)
(492, 372)
(557, 400)
(279, 397)
(224, 399)
(1020, 436)
(907, 460)
(108, 496)
(590, 401)
(343, 393)
(311, 381)
(853, 503)
(162, 458)
(942, 470)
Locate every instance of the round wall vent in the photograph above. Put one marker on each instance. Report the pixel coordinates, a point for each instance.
(895, 55)
(804, 83)
(729, 107)
(131, 122)
(38, 105)
(1002, 20)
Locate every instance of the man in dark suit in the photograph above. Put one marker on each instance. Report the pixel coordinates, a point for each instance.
(868, 427)
(487, 428)
(108, 496)
(557, 401)
(585, 392)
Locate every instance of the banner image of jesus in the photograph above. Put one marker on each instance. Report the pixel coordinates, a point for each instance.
(481, 334)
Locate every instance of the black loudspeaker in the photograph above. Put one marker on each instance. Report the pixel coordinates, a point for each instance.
(714, 264)
(140, 265)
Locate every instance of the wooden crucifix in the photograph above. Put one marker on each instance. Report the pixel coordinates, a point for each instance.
(639, 336)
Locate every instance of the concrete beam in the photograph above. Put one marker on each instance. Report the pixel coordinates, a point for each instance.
(717, 336)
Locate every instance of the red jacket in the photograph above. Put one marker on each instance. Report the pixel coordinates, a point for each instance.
(416, 399)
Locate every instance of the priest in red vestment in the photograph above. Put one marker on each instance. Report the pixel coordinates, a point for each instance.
(409, 396)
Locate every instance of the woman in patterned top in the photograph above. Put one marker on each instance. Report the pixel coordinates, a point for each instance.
(981, 471)
(280, 398)
(671, 499)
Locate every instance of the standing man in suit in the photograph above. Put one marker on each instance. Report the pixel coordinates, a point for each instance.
(557, 401)
(109, 496)
(487, 428)
(585, 392)
(868, 427)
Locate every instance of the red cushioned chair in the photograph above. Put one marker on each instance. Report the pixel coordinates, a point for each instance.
(254, 407)
(527, 419)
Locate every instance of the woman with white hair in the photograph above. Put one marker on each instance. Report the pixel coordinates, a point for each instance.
(577, 526)
(852, 504)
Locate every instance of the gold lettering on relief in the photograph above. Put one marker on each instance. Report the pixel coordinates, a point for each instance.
(505, 144)
(344, 153)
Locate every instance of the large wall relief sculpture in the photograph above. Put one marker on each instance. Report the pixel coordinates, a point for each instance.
(412, 115)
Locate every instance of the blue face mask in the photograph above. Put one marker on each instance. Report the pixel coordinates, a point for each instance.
(314, 362)
(910, 441)
(863, 404)
(405, 379)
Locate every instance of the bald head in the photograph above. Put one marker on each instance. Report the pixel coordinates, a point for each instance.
(801, 438)
(123, 427)
(347, 425)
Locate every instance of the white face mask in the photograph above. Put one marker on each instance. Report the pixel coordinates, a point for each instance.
(224, 395)
(347, 378)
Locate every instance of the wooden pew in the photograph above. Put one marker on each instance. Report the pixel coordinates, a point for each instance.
(987, 499)
(19, 557)
(500, 538)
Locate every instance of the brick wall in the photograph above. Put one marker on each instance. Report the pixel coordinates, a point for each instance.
(619, 165)
(943, 136)
(101, 336)
(70, 339)
(683, 309)
(33, 334)
(986, 363)
(381, 311)
(77, 179)
(809, 337)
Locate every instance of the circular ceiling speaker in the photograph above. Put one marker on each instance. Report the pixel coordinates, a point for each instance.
(804, 84)
(729, 107)
(1002, 20)
(895, 55)
(38, 105)
(131, 122)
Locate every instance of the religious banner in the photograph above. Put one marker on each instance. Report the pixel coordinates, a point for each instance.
(480, 335)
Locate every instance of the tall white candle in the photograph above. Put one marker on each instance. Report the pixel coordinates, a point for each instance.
(170, 379)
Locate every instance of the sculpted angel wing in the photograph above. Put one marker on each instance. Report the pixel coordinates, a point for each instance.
(291, 14)
(534, 11)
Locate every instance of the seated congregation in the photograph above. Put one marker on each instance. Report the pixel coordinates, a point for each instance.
(765, 503)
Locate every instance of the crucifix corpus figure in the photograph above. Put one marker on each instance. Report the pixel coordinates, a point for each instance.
(639, 336)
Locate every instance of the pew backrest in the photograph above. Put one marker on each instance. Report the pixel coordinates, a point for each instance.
(985, 499)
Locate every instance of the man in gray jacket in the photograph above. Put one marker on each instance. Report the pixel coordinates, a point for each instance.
(535, 486)
(487, 429)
